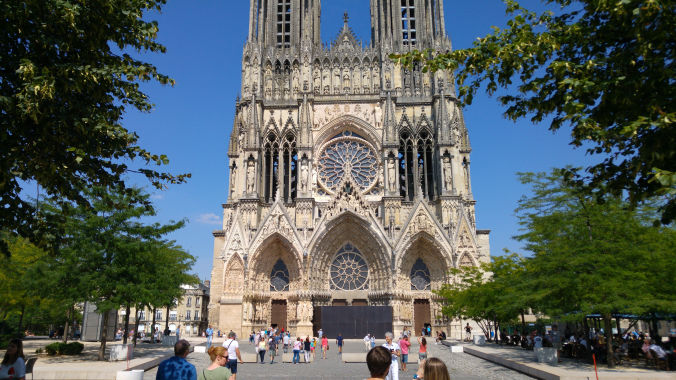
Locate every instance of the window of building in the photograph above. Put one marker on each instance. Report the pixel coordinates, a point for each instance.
(416, 164)
(172, 315)
(188, 302)
(187, 315)
(408, 22)
(280, 159)
(197, 301)
(158, 315)
(347, 152)
(279, 277)
(141, 315)
(349, 270)
(420, 276)
(283, 23)
(197, 315)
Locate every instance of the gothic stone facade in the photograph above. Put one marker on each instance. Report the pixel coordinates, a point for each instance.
(349, 175)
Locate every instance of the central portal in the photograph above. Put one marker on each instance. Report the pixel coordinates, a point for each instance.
(353, 322)
(278, 317)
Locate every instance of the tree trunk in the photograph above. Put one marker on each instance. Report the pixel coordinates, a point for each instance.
(523, 323)
(65, 328)
(152, 327)
(166, 319)
(135, 326)
(617, 322)
(609, 340)
(104, 337)
(126, 325)
(585, 325)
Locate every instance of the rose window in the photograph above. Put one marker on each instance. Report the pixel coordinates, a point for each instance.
(347, 153)
(349, 270)
(420, 276)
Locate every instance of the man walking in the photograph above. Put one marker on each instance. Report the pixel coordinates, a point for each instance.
(176, 367)
(233, 353)
(395, 352)
(210, 335)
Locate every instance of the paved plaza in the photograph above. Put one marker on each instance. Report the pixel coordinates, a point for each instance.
(461, 366)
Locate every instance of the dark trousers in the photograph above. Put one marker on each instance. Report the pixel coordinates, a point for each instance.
(262, 354)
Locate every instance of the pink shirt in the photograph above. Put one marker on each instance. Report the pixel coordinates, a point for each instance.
(404, 345)
(325, 342)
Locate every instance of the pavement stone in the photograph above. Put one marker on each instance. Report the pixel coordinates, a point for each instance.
(461, 366)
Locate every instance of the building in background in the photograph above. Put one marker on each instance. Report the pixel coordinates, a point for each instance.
(190, 313)
(349, 178)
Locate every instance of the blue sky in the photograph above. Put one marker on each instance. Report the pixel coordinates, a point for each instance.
(191, 122)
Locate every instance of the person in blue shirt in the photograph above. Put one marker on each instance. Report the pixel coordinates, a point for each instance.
(176, 367)
(339, 343)
(210, 335)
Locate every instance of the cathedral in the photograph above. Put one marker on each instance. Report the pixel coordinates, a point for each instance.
(350, 195)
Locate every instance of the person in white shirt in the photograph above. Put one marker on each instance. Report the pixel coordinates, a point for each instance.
(232, 346)
(367, 342)
(286, 342)
(658, 350)
(13, 365)
(396, 352)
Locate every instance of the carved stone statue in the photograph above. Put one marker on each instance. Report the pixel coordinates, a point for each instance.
(378, 116)
(391, 174)
(304, 172)
(250, 177)
(233, 179)
(448, 177)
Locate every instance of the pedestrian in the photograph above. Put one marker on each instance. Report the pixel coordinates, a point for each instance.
(13, 364)
(313, 345)
(272, 348)
(210, 335)
(468, 332)
(286, 343)
(296, 350)
(429, 330)
(217, 370)
(262, 347)
(373, 341)
(422, 351)
(378, 360)
(325, 346)
(178, 333)
(404, 344)
(367, 342)
(320, 333)
(433, 369)
(176, 367)
(339, 343)
(306, 349)
(232, 345)
(394, 352)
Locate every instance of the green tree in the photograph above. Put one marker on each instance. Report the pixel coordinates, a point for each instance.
(117, 259)
(590, 257)
(67, 80)
(605, 69)
(489, 294)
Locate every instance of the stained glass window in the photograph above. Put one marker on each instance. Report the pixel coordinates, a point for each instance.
(420, 276)
(349, 270)
(347, 153)
(279, 277)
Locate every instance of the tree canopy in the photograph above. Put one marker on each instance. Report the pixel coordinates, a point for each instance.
(586, 257)
(604, 69)
(68, 72)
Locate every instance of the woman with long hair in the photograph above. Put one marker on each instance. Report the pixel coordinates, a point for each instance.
(217, 369)
(422, 351)
(306, 349)
(13, 365)
(433, 369)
